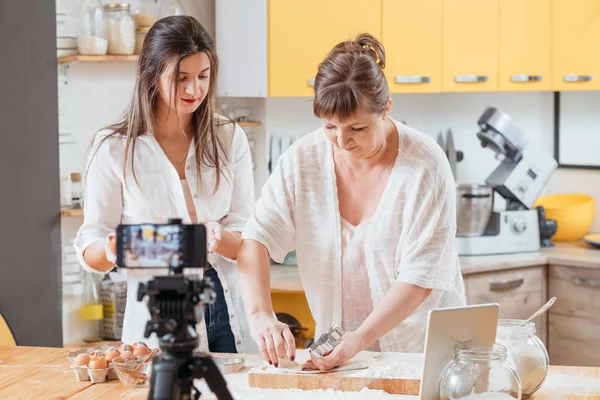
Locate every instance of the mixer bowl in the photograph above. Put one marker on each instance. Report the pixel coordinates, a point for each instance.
(474, 206)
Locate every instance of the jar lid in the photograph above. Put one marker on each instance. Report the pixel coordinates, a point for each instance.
(142, 29)
(117, 6)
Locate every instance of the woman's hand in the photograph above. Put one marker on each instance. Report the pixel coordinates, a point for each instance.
(112, 244)
(274, 338)
(346, 348)
(214, 235)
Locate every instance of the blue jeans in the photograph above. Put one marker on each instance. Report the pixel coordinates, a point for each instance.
(216, 316)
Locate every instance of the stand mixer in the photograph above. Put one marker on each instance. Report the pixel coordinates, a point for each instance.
(520, 178)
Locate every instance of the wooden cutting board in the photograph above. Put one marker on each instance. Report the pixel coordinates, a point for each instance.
(378, 376)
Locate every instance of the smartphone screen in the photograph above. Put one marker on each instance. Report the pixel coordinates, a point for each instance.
(149, 246)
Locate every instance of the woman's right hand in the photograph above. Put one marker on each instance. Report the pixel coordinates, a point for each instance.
(274, 338)
(112, 244)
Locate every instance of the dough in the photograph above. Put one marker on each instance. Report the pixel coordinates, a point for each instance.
(288, 364)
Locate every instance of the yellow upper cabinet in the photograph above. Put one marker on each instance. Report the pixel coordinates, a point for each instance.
(470, 46)
(301, 34)
(525, 45)
(576, 45)
(412, 36)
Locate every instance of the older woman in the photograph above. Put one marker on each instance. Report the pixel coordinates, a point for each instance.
(369, 205)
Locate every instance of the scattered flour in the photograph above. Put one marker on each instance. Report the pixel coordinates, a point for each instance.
(563, 384)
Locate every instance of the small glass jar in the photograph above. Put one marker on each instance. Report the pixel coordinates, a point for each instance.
(479, 372)
(527, 353)
(140, 35)
(120, 29)
(146, 14)
(168, 8)
(91, 37)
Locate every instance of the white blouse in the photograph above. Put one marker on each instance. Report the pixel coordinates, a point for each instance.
(410, 238)
(110, 200)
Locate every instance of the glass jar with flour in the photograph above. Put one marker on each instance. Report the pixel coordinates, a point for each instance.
(479, 373)
(527, 353)
(91, 38)
(120, 29)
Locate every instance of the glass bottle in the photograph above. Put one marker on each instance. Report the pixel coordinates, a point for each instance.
(76, 190)
(91, 311)
(170, 7)
(479, 373)
(120, 29)
(526, 352)
(91, 38)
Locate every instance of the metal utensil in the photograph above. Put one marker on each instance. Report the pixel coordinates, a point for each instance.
(229, 365)
(326, 341)
(542, 310)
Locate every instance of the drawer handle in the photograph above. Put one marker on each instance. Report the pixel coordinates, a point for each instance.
(311, 82)
(525, 78)
(470, 78)
(588, 282)
(406, 79)
(577, 78)
(506, 285)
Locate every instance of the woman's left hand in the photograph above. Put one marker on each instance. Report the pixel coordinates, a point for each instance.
(214, 234)
(346, 348)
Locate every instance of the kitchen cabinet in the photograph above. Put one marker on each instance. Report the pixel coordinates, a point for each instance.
(575, 42)
(470, 46)
(574, 330)
(412, 36)
(525, 45)
(302, 33)
(520, 292)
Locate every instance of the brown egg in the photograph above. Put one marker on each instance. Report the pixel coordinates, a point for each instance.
(111, 355)
(98, 363)
(81, 360)
(125, 347)
(127, 355)
(141, 351)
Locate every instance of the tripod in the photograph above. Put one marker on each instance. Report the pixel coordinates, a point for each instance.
(176, 304)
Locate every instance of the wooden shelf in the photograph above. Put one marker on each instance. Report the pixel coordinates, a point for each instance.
(82, 58)
(71, 212)
(248, 123)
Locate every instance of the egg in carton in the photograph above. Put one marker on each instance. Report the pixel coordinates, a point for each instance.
(89, 363)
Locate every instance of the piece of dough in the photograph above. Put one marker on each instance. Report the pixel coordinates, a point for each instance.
(287, 363)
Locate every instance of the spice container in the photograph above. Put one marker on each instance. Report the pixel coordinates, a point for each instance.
(91, 38)
(479, 373)
(527, 353)
(120, 29)
(326, 342)
(140, 35)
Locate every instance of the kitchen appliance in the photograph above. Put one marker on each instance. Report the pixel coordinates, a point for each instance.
(454, 156)
(519, 178)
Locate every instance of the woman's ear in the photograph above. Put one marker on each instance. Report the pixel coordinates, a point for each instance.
(387, 109)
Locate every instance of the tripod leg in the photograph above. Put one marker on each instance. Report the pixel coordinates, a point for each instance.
(206, 367)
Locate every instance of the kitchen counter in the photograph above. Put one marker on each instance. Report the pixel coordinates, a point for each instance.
(286, 278)
(44, 373)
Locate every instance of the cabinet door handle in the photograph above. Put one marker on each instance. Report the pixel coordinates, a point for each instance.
(577, 78)
(470, 78)
(311, 82)
(588, 282)
(409, 79)
(525, 78)
(506, 285)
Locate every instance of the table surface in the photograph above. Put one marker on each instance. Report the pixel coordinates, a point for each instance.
(44, 373)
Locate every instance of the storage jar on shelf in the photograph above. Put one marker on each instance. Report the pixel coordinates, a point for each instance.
(146, 14)
(120, 29)
(91, 36)
(140, 35)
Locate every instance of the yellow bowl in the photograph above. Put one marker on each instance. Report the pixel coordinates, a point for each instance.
(573, 213)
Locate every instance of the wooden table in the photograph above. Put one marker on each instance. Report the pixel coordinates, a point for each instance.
(44, 373)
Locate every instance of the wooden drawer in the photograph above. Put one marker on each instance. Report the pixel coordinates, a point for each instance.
(577, 292)
(520, 292)
(573, 340)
